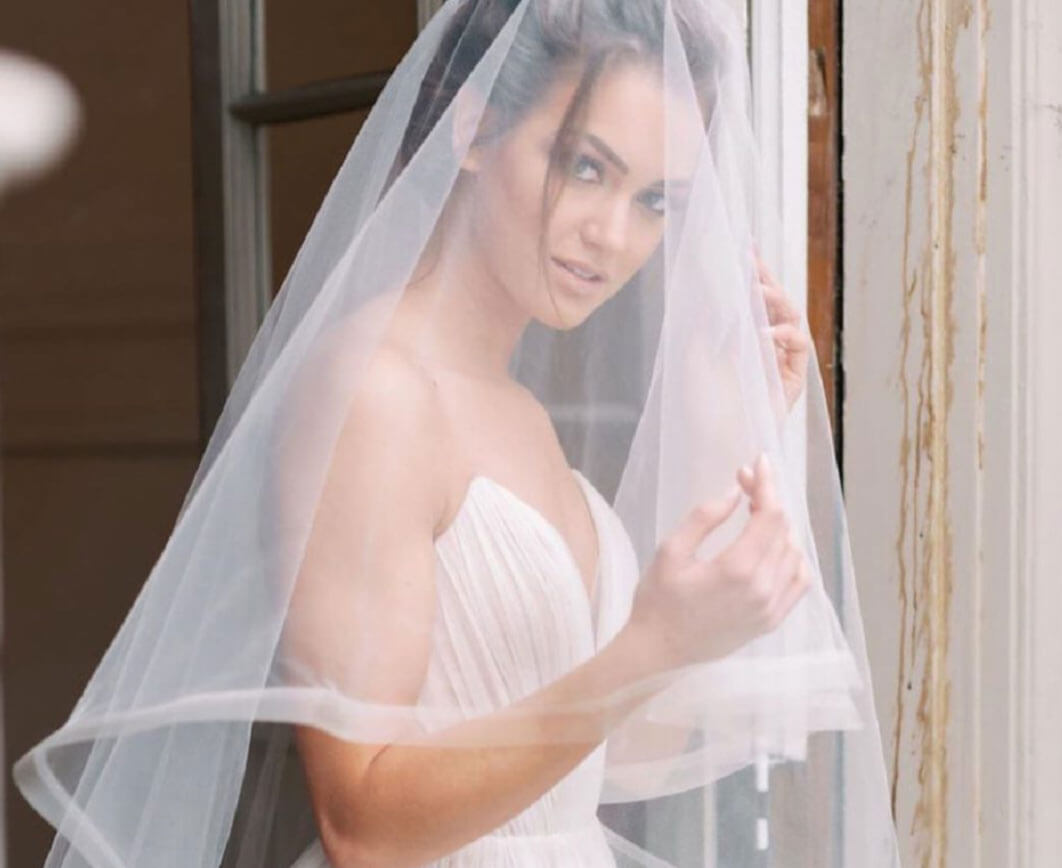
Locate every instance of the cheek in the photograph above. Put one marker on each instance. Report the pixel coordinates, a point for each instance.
(507, 214)
(644, 241)
(520, 176)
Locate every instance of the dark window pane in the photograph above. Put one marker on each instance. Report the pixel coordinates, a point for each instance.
(303, 159)
(320, 39)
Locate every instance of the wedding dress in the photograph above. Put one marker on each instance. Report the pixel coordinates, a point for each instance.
(514, 615)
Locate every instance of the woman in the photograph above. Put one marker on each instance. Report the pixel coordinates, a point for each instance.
(440, 421)
(535, 269)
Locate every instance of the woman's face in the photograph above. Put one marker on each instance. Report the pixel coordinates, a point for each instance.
(609, 214)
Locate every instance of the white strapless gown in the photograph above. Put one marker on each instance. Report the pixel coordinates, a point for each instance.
(514, 616)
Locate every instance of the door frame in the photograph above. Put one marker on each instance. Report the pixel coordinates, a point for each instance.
(953, 210)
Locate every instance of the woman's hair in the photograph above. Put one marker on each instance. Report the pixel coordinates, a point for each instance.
(554, 36)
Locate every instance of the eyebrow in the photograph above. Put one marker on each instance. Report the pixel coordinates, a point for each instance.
(609, 154)
(618, 162)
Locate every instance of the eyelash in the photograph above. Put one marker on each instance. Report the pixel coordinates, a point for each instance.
(659, 197)
(582, 161)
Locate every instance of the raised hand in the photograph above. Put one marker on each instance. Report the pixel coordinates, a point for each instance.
(691, 610)
(791, 342)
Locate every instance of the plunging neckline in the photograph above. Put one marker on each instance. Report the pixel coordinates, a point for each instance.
(544, 523)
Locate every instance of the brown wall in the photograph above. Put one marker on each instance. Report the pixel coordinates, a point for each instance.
(98, 352)
(323, 40)
(97, 358)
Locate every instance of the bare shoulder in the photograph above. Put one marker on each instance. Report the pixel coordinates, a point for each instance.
(536, 413)
(394, 387)
(392, 438)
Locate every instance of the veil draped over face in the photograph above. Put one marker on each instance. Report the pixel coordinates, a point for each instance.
(287, 594)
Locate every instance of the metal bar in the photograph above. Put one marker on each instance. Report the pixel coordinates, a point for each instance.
(310, 101)
(425, 9)
(209, 209)
(248, 290)
(230, 195)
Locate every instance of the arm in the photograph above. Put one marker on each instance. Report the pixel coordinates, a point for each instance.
(409, 804)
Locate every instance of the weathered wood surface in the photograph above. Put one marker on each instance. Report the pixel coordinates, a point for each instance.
(951, 178)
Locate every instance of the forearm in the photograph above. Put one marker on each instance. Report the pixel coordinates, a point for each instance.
(418, 802)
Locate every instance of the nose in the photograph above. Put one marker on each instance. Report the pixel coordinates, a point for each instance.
(607, 225)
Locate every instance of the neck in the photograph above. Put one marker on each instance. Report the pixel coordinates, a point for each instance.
(465, 320)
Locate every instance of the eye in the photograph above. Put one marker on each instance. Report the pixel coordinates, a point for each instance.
(655, 201)
(586, 168)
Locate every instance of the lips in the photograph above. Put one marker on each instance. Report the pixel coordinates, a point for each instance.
(579, 270)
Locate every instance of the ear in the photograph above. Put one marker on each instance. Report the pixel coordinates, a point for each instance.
(469, 108)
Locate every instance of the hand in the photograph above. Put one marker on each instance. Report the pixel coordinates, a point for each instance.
(791, 343)
(690, 610)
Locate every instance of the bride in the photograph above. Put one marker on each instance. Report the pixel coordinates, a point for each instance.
(452, 460)
(501, 553)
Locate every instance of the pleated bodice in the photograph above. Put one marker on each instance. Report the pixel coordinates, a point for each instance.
(513, 616)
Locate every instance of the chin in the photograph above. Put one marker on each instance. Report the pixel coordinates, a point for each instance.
(568, 313)
(565, 304)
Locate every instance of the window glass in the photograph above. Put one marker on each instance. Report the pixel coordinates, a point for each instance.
(315, 40)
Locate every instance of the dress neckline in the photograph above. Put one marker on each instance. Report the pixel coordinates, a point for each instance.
(479, 479)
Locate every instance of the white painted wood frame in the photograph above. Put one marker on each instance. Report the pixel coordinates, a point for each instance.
(778, 60)
(952, 345)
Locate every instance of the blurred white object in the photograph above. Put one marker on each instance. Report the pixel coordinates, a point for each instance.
(39, 115)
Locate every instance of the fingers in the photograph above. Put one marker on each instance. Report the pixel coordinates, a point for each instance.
(700, 521)
(767, 539)
(780, 308)
(792, 348)
(758, 484)
(746, 479)
(762, 537)
(764, 274)
(790, 337)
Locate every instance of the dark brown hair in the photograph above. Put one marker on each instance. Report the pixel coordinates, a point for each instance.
(553, 35)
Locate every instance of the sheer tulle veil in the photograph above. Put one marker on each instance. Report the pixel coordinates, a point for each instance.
(180, 750)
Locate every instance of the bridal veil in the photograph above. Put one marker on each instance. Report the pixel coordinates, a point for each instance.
(179, 751)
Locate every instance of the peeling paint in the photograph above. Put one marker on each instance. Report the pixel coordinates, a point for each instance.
(924, 544)
(966, 111)
(980, 251)
(909, 286)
